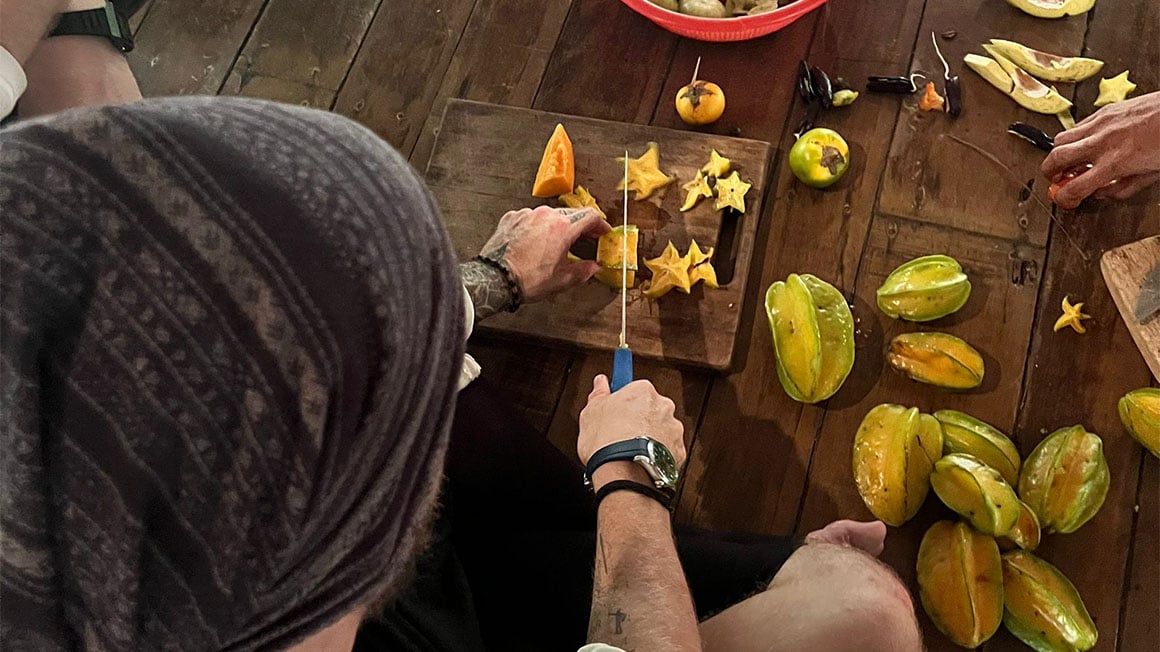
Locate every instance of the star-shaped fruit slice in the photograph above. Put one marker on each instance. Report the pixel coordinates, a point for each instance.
(1071, 317)
(1115, 89)
(644, 173)
(701, 267)
(581, 198)
(718, 166)
(669, 270)
(731, 193)
(696, 189)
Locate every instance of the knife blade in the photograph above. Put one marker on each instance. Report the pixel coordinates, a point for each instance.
(622, 359)
(1148, 303)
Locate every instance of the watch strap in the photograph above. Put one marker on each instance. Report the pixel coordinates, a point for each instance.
(106, 22)
(621, 450)
(661, 497)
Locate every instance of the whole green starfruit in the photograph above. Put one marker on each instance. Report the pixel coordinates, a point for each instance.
(963, 433)
(1140, 412)
(976, 492)
(813, 336)
(938, 359)
(894, 452)
(960, 582)
(1065, 479)
(924, 289)
(1041, 606)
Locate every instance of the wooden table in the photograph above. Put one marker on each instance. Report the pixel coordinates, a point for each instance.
(758, 460)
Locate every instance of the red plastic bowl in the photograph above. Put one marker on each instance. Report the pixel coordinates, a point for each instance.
(740, 28)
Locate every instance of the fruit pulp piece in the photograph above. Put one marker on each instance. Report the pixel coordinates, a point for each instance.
(557, 172)
(931, 100)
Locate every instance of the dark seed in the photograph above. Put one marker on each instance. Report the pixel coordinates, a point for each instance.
(899, 85)
(949, 35)
(954, 103)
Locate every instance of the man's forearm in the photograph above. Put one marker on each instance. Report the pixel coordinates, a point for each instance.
(489, 289)
(640, 600)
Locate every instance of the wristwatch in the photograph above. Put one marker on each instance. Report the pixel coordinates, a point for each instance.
(657, 461)
(106, 22)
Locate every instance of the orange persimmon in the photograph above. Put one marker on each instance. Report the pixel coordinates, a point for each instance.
(557, 171)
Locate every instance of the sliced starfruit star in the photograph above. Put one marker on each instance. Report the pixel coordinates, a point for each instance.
(960, 582)
(813, 336)
(1116, 89)
(1140, 412)
(963, 433)
(701, 266)
(976, 492)
(1047, 66)
(1041, 606)
(1027, 91)
(731, 193)
(1026, 533)
(610, 250)
(1065, 479)
(718, 166)
(581, 198)
(924, 289)
(895, 449)
(695, 190)
(669, 270)
(1053, 8)
(937, 359)
(644, 173)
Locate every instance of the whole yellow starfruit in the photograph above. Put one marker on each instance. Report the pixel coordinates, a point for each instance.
(1140, 412)
(813, 336)
(963, 433)
(937, 359)
(1025, 534)
(1041, 606)
(1065, 479)
(924, 289)
(960, 582)
(894, 452)
(977, 492)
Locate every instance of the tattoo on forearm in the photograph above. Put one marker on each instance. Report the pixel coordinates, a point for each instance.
(487, 286)
(618, 618)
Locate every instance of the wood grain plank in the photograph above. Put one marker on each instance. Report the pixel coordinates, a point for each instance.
(518, 33)
(139, 18)
(748, 466)
(935, 179)
(395, 76)
(1140, 628)
(299, 54)
(509, 369)
(186, 47)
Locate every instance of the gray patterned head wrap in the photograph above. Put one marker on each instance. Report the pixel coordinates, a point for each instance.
(230, 339)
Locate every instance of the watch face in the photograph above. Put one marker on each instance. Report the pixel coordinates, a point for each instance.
(664, 464)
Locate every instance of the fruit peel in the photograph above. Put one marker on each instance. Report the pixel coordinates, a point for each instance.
(895, 449)
(813, 336)
(963, 433)
(976, 492)
(1053, 8)
(924, 289)
(1065, 479)
(1045, 65)
(1140, 413)
(1042, 608)
(937, 359)
(960, 581)
(1027, 91)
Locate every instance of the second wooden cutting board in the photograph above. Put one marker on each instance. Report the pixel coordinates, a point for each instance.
(483, 165)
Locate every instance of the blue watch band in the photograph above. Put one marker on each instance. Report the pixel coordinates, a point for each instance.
(621, 450)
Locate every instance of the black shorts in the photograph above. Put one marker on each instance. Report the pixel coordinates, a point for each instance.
(512, 553)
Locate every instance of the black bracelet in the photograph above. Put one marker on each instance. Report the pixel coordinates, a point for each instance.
(637, 488)
(513, 286)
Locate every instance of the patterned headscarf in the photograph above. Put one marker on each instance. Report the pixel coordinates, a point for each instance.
(230, 334)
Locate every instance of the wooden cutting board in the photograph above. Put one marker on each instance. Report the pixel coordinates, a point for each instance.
(1124, 269)
(483, 165)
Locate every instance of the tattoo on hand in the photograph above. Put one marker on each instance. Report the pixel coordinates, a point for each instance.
(489, 290)
(498, 253)
(618, 618)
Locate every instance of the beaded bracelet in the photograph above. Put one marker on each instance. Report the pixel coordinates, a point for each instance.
(513, 286)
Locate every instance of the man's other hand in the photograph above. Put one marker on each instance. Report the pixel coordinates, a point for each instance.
(637, 410)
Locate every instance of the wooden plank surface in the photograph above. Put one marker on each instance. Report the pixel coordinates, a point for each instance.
(1124, 269)
(483, 163)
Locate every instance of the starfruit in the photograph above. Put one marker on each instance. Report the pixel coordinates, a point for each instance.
(1041, 606)
(610, 252)
(924, 289)
(1065, 479)
(960, 582)
(963, 433)
(1025, 534)
(1140, 412)
(937, 359)
(894, 452)
(813, 336)
(977, 492)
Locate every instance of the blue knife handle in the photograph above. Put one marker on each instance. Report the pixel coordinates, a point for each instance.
(621, 368)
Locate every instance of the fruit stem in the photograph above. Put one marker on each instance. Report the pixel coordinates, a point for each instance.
(696, 70)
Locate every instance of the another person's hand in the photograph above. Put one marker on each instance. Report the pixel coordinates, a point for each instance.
(534, 243)
(1122, 143)
(637, 410)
